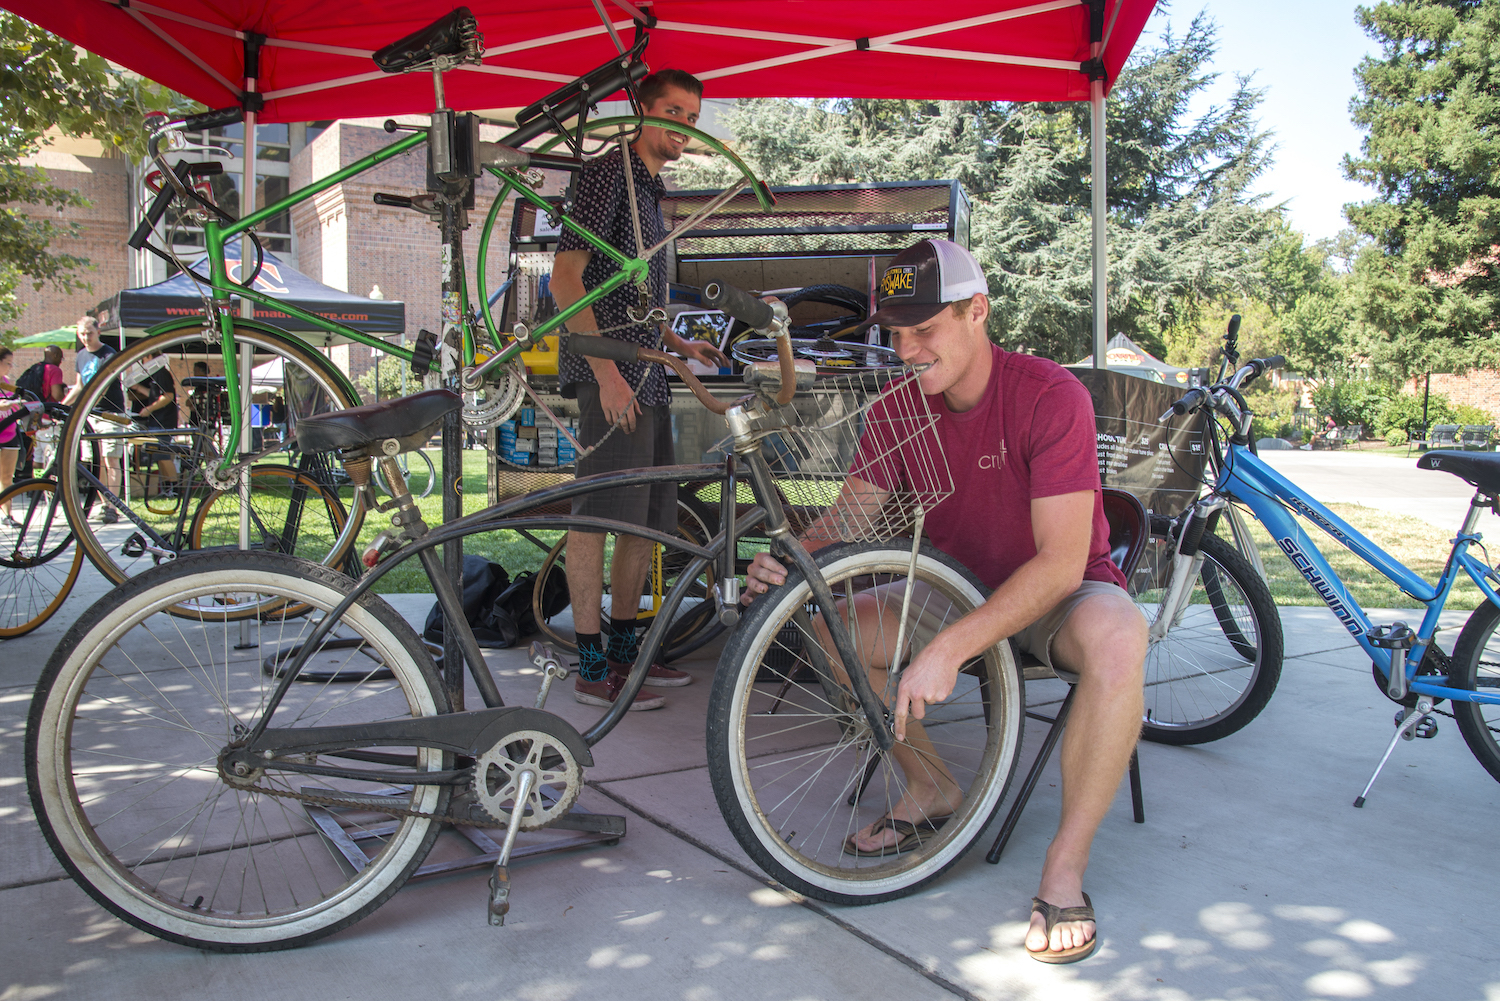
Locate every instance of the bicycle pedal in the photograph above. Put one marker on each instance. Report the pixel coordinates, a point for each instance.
(1426, 728)
(499, 905)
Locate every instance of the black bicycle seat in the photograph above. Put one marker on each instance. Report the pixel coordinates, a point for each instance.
(449, 35)
(1481, 469)
(411, 420)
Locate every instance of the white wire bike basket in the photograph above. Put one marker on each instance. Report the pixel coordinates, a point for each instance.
(876, 426)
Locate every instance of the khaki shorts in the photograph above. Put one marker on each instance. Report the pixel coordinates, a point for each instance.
(109, 448)
(932, 613)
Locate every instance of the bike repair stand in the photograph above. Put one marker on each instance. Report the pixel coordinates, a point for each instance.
(1411, 721)
(592, 828)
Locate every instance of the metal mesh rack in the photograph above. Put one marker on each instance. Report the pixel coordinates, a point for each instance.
(876, 426)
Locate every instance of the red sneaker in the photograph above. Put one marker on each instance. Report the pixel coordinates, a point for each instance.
(660, 675)
(604, 693)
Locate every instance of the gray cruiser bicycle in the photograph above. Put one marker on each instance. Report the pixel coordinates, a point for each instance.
(203, 780)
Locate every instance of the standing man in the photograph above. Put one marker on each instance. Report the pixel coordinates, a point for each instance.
(1028, 519)
(633, 396)
(92, 357)
(154, 400)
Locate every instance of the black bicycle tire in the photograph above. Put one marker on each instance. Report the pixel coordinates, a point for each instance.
(1266, 671)
(74, 429)
(767, 839)
(1479, 733)
(65, 821)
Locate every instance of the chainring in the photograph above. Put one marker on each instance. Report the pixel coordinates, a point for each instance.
(557, 778)
(497, 401)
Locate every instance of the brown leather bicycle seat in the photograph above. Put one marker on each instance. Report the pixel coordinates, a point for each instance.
(1482, 469)
(352, 429)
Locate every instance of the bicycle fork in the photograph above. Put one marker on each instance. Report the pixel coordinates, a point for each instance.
(1187, 562)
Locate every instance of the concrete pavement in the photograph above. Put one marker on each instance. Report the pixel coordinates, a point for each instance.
(1252, 878)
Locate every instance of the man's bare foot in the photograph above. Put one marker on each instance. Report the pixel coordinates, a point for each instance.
(1065, 934)
(937, 806)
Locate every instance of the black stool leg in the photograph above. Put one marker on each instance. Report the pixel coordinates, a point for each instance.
(1136, 803)
(869, 774)
(1011, 818)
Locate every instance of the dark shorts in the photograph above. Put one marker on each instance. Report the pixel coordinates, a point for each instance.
(650, 506)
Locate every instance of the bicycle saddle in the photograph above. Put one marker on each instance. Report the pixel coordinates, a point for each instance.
(410, 420)
(1481, 469)
(449, 35)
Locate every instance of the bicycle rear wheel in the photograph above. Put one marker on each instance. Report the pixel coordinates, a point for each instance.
(39, 559)
(137, 537)
(790, 752)
(1476, 668)
(291, 513)
(133, 710)
(1215, 668)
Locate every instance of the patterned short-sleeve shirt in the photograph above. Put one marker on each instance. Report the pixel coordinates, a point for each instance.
(602, 205)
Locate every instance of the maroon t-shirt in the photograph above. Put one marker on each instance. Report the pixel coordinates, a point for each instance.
(1032, 435)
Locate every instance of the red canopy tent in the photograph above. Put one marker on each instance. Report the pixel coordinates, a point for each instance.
(314, 60)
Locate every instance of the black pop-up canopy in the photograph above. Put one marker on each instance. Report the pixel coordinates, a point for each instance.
(135, 309)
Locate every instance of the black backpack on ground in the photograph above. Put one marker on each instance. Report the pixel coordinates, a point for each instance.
(497, 608)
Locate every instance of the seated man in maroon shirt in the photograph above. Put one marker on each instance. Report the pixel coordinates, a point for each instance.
(1027, 518)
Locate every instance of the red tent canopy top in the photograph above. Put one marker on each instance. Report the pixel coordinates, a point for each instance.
(315, 61)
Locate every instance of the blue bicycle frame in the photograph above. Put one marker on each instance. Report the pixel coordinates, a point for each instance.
(1246, 479)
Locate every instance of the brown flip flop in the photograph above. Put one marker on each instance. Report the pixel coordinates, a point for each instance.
(909, 836)
(1052, 915)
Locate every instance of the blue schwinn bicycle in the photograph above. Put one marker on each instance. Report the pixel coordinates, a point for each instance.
(1216, 651)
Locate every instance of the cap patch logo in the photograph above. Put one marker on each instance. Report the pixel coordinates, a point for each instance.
(899, 282)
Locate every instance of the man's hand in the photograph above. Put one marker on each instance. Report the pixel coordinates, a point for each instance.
(927, 680)
(703, 353)
(765, 573)
(616, 399)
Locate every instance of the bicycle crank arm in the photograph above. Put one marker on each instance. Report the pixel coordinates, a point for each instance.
(137, 546)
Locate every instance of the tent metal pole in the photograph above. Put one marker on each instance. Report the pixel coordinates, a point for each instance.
(247, 310)
(1101, 248)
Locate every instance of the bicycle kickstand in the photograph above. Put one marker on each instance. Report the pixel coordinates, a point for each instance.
(1406, 727)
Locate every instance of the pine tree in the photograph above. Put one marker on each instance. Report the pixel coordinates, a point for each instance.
(1429, 282)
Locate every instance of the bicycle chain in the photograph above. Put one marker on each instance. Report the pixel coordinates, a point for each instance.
(393, 810)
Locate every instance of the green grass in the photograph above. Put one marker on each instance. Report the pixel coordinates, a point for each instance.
(1421, 546)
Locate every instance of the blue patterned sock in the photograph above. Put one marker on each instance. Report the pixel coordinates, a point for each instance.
(591, 657)
(623, 643)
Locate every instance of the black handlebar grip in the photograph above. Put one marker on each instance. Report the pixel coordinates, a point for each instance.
(1275, 361)
(158, 207)
(1234, 325)
(741, 305)
(399, 201)
(600, 347)
(214, 119)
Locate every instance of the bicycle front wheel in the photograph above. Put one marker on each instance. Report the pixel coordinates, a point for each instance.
(39, 560)
(132, 531)
(1476, 668)
(1218, 662)
(133, 710)
(790, 752)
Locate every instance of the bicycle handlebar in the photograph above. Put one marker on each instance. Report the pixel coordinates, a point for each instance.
(593, 346)
(763, 317)
(164, 197)
(1195, 398)
(212, 119)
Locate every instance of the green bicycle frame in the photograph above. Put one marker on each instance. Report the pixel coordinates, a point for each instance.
(217, 234)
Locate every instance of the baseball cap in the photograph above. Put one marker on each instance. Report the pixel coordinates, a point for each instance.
(923, 279)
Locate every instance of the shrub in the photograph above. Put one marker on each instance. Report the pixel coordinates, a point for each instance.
(1403, 412)
(1467, 413)
(1353, 401)
(1395, 437)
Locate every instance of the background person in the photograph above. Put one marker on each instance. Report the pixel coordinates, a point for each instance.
(11, 438)
(1027, 518)
(635, 396)
(92, 357)
(154, 400)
